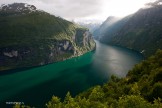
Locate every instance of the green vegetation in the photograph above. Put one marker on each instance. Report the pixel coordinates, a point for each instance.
(33, 27)
(141, 88)
(38, 38)
(141, 31)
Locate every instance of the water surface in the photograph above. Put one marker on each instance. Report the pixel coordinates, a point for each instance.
(36, 86)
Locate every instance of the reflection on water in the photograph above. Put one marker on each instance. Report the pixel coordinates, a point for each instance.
(36, 86)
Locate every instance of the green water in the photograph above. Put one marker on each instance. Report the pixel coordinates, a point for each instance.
(36, 86)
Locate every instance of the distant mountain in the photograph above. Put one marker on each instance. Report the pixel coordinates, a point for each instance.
(31, 37)
(91, 26)
(109, 28)
(142, 31)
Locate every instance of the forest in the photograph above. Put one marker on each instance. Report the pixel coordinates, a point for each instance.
(141, 88)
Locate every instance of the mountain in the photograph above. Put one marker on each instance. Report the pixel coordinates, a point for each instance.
(142, 31)
(91, 26)
(31, 37)
(109, 28)
(106, 25)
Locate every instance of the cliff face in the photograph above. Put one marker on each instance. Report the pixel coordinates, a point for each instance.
(33, 38)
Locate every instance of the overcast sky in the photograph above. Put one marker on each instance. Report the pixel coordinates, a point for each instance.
(85, 9)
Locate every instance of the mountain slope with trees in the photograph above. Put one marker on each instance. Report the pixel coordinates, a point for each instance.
(31, 37)
(141, 31)
(141, 88)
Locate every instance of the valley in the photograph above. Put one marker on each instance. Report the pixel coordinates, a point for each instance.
(73, 75)
(81, 56)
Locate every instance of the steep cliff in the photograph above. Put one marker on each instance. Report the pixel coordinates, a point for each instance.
(31, 37)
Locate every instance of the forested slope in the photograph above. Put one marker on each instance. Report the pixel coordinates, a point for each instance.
(141, 31)
(141, 88)
(31, 37)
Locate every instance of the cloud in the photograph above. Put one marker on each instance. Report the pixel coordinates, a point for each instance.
(76, 8)
(69, 9)
(85, 9)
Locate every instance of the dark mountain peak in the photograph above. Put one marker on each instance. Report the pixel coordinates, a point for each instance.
(147, 17)
(156, 3)
(17, 8)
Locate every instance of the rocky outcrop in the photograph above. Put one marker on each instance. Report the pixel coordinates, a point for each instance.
(38, 38)
(52, 51)
(83, 38)
(11, 54)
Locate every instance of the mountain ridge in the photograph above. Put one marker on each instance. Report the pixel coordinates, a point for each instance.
(37, 38)
(141, 31)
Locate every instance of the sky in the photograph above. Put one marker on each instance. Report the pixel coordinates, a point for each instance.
(78, 10)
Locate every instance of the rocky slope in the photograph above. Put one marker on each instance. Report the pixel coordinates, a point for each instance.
(31, 37)
(142, 31)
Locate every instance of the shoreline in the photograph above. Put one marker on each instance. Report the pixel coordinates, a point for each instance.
(15, 70)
